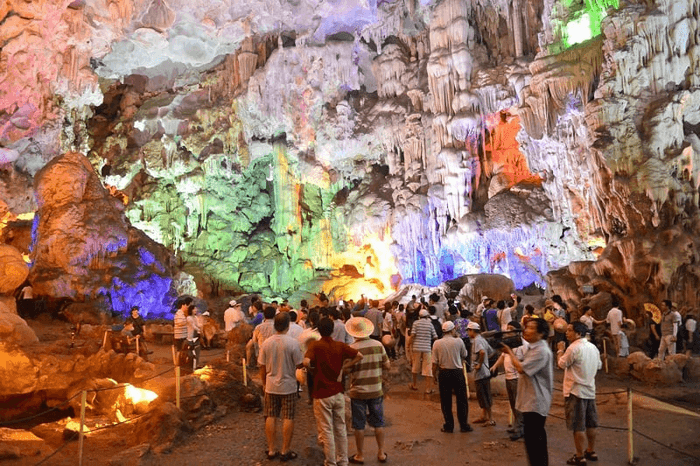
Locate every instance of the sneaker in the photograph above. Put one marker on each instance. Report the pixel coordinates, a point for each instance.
(590, 455)
(466, 428)
(577, 460)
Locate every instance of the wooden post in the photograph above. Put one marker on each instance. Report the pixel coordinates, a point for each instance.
(630, 428)
(228, 356)
(466, 380)
(172, 347)
(245, 378)
(83, 400)
(177, 386)
(104, 339)
(605, 355)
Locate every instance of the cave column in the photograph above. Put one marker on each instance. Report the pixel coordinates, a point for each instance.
(517, 29)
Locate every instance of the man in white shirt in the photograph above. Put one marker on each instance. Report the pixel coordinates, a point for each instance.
(233, 316)
(670, 322)
(581, 362)
(614, 318)
(295, 329)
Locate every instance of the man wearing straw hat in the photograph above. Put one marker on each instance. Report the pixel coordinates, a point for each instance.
(328, 359)
(366, 394)
(448, 354)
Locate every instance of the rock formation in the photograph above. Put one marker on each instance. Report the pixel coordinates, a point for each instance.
(85, 248)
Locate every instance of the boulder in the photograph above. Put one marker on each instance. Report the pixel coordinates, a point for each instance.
(13, 269)
(637, 361)
(165, 427)
(14, 329)
(693, 369)
(662, 372)
(473, 287)
(18, 374)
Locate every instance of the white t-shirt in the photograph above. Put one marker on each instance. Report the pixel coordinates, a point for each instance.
(233, 316)
(588, 320)
(27, 293)
(614, 318)
(691, 325)
(295, 330)
(504, 318)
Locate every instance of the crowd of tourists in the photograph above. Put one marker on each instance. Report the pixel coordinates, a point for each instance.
(341, 350)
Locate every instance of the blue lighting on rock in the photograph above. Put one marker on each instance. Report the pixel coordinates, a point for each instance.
(152, 293)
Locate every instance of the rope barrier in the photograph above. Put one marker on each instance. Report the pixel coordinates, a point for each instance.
(622, 429)
(17, 421)
(74, 436)
(667, 446)
(597, 393)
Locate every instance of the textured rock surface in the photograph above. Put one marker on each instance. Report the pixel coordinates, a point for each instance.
(14, 329)
(53, 373)
(85, 248)
(268, 146)
(13, 269)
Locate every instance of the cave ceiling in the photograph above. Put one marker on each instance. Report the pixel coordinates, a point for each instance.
(272, 146)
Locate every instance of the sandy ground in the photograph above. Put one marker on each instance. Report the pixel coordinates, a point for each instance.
(413, 434)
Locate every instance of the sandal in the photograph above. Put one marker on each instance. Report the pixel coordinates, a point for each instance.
(272, 456)
(479, 421)
(429, 392)
(489, 423)
(353, 459)
(577, 460)
(290, 455)
(412, 387)
(590, 455)
(386, 457)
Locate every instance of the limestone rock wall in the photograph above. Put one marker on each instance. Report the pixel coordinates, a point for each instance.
(271, 145)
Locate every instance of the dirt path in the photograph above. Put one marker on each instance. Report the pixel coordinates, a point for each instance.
(413, 435)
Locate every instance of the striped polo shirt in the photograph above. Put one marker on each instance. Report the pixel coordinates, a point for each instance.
(366, 375)
(425, 333)
(179, 325)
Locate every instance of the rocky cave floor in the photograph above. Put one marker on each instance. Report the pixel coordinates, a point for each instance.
(413, 437)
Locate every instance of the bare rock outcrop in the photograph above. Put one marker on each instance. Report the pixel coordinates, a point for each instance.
(85, 247)
(13, 272)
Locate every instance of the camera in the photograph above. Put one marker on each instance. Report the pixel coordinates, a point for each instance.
(495, 339)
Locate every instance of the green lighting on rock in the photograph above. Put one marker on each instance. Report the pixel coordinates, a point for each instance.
(576, 21)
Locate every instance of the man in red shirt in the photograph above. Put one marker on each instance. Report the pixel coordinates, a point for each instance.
(328, 359)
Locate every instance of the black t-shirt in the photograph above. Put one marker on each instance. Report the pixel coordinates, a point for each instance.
(138, 324)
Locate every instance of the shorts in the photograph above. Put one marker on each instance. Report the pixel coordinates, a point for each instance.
(483, 393)
(360, 410)
(422, 364)
(581, 414)
(281, 406)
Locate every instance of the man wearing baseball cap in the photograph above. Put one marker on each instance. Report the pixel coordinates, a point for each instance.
(482, 374)
(366, 393)
(233, 316)
(448, 354)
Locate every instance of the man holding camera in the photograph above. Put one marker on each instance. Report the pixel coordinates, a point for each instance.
(448, 354)
(482, 374)
(534, 389)
(581, 362)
